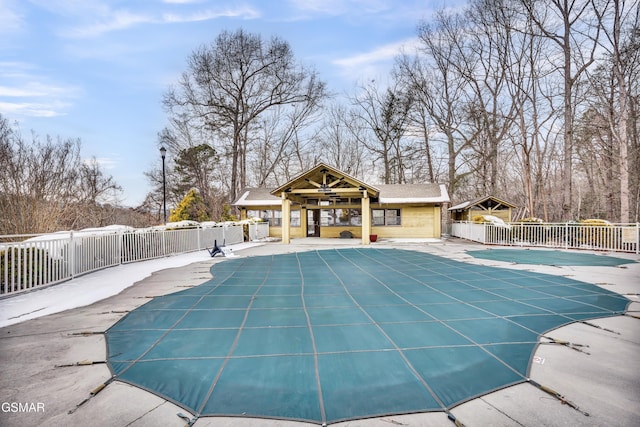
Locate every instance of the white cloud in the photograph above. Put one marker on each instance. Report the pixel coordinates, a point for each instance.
(106, 21)
(206, 15)
(31, 109)
(380, 56)
(113, 21)
(27, 93)
(15, 92)
(182, 1)
(10, 18)
(35, 89)
(340, 7)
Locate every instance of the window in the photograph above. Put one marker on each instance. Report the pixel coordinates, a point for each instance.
(392, 217)
(273, 217)
(377, 217)
(276, 218)
(295, 219)
(382, 217)
(355, 217)
(326, 217)
(340, 217)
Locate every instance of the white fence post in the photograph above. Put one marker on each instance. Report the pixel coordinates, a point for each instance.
(71, 256)
(163, 233)
(120, 246)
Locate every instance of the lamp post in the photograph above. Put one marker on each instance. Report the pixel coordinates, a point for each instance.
(163, 153)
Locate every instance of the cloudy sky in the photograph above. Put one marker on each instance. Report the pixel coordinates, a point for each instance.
(97, 69)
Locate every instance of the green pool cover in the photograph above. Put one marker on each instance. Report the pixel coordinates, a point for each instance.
(333, 335)
(546, 257)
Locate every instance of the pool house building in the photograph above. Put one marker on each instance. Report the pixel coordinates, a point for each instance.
(326, 202)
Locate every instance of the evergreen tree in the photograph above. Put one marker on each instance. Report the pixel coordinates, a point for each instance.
(191, 207)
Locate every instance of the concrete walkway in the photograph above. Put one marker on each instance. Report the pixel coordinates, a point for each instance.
(35, 390)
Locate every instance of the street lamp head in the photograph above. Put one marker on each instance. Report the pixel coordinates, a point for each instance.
(163, 152)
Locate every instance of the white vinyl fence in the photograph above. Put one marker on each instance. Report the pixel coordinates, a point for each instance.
(610, 237)
(258, 231)
(47, 259)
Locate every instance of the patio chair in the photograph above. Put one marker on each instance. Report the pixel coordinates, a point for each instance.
(215, 250)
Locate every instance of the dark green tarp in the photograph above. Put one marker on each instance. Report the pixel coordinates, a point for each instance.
(325, 336)
(547, 257)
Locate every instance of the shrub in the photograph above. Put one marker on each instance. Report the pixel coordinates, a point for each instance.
(479, 219)
(595, 222)
(226, 214)
(530, 220)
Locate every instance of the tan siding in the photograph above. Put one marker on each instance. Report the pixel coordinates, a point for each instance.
(275, 232)
(297, 232)
(335, 231)
(417, 221)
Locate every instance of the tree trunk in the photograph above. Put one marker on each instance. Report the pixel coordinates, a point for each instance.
(567, 172)
(623, 119)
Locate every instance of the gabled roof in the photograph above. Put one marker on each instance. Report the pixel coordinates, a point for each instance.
(413, 193)
(324, 180)
(481, 201)
(389, 193)
(257, 197)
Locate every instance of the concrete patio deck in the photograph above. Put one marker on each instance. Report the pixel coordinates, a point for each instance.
(34, 390)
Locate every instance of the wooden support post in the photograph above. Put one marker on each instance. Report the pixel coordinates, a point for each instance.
(286, 219)
(304, 222)
(366, 218)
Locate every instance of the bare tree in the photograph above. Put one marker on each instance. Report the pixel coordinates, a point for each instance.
(275, 135)
(483, 59)
(338, 142)
(573, 27)
(233, 82)
(606, 129)
(531, 103)
(625, 59)
(47, 186)
(422, 129)
(385, 113)
(439, 90)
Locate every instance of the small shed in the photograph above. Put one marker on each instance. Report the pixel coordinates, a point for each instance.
(487, 205)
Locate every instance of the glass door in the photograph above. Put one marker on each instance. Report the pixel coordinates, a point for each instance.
(313, 223)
